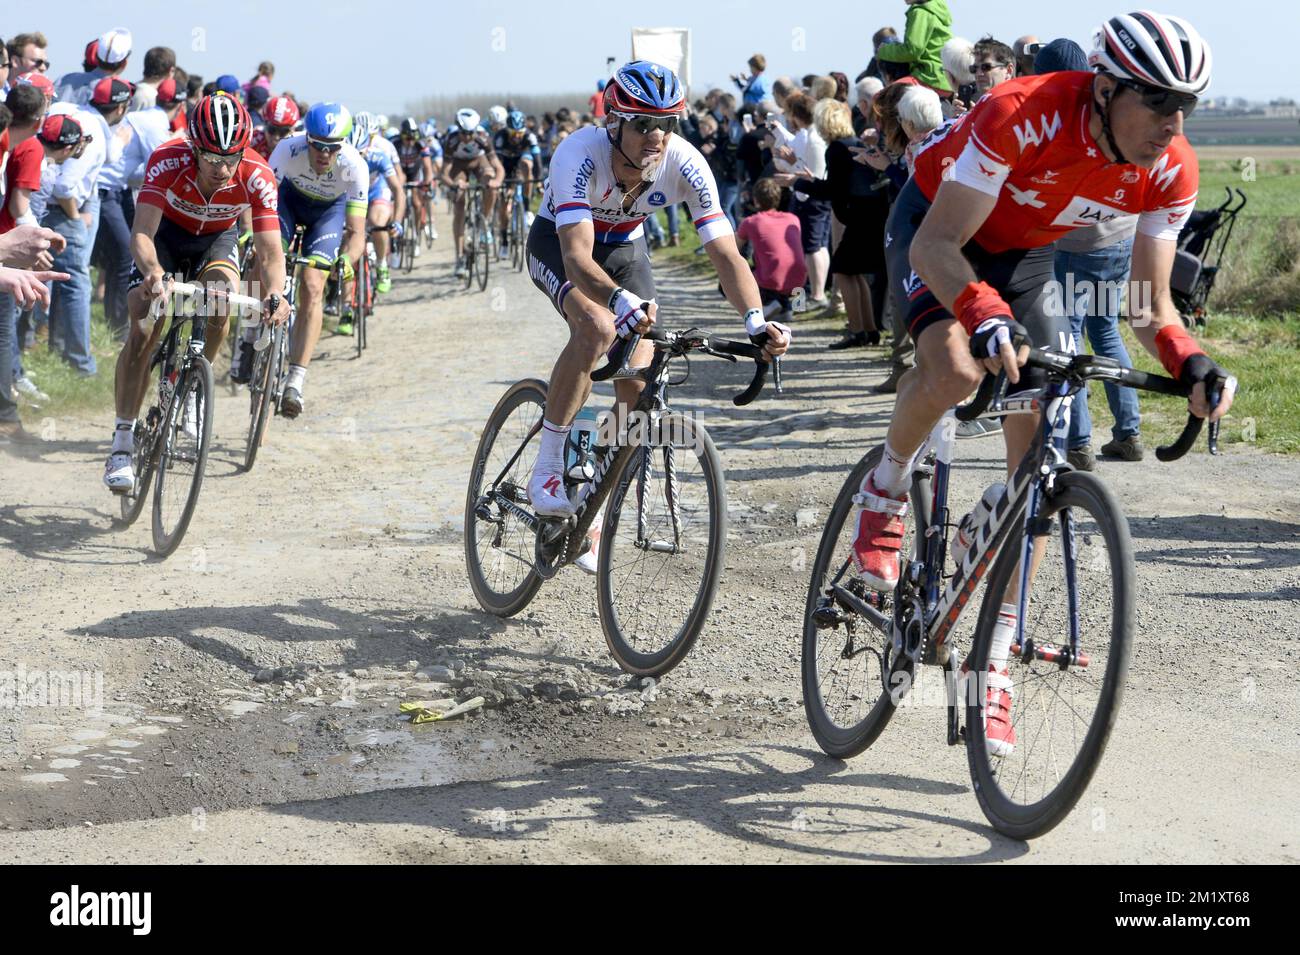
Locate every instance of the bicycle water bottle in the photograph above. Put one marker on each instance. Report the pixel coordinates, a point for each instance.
(580, 463)
(966, 528)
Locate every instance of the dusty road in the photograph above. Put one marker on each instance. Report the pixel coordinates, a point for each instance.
(250, 683)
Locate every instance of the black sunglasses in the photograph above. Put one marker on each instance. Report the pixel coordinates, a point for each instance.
(645, 124)
(989, 67)
(1162, 102)
(324, 147)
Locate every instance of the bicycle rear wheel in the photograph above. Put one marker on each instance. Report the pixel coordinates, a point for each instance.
(848, 669)
(261, 387)
(1062, 717)
(143, 461)
(499, 546)
(361, 312)
(485, 253)
(186, 435)
(661, 547)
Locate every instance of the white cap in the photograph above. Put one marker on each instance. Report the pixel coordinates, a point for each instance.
(114, 46)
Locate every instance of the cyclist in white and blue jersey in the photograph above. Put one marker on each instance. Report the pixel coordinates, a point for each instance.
(386, 203)
(323, 185)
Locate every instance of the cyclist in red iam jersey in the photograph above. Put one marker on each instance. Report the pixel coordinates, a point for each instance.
(970, 257)
(186, 226)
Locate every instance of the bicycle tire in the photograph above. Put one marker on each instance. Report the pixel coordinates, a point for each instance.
(261, 388)
(471, 246)
(486, 252)
(499, 602)
(847, 741)
(198, 377)
(1026, 821)
(132, 504)
(657, 662)
(360, 310)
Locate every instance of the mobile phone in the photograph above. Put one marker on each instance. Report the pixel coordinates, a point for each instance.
(748, 122)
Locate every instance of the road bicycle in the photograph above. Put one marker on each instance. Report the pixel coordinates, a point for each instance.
(479, 248)
(517, 225)
(1053, 544)
(361, 292)
(659, 480)
(171, 443)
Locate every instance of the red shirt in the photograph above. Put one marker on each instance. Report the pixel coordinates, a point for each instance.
(778, 250)
(23, 172)
(258, 143)
(170, 184)
(1027, 143)
(4, 145)
(597, 104)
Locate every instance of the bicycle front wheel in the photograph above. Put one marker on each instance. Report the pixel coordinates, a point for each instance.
(661, 547)
(186, 435)
(485, 252)
(849, 669)
(499, 547)
(1082, 583)
(361, 313)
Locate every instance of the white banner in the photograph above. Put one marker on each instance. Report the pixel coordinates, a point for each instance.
(668, 46)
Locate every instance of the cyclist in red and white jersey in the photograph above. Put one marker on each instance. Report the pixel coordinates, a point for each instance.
(279, 117)
(186, 228)
(971, 264)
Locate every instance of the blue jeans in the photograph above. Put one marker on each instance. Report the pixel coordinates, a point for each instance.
(728, 193)
(1094, 306)
(8, 336)
(113, 245)
(70, 300)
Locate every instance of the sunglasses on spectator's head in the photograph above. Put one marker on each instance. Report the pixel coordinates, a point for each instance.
(644, 125)
(217, 159)
(325, 146)
(1160, 101)
(988, 67)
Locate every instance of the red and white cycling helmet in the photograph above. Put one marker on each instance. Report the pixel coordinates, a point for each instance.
(220, 124)
(1153, 49)
(281, 112)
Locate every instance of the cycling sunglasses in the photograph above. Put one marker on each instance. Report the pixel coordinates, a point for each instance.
(324, 146)
(644, 125)
(1160, 101)
(217, 159)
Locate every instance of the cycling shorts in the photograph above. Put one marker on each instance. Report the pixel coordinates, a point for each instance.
(185, 256)
(1023, 277)
(627, 263)
(324, 222)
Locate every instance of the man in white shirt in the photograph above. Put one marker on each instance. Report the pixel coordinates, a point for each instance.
(112, 51)
(111, 239)
(159, 63)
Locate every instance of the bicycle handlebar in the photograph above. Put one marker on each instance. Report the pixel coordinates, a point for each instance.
(623, 349)
(1093, 367)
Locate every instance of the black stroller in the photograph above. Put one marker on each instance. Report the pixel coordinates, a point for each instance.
(1200, 256)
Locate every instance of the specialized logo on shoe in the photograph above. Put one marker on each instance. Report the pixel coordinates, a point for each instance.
(552, 485)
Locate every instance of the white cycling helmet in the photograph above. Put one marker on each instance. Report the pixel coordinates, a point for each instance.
(467, 119)
(1153, 49)
(497, 117)
(381, 121)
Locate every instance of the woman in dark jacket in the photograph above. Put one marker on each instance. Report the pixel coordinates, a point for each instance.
(861, 208)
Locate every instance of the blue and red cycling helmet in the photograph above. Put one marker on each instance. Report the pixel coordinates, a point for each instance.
(643, 88)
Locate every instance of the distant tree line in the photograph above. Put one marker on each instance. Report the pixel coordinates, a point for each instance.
(443, 107)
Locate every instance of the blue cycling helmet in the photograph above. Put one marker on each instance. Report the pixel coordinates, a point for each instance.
(430, 128)
(328, 121)
(642, 88)
(515, 120)
(363, 128)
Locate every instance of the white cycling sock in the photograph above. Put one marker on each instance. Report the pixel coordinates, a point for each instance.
(123, 435)
(1004, 631)
(296, 378)
(550, 457)
(893, 474)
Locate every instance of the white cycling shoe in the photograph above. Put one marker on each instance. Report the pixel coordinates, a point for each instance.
(548, 496)
(587, 562)
(119, 475)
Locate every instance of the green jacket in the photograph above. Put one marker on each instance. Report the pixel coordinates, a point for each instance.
(929, 27)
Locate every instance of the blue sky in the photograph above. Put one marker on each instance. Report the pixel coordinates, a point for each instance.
(381, 60)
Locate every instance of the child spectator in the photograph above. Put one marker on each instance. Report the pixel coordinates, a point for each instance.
(777, 248)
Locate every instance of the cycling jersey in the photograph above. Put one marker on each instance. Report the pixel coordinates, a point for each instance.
(466, 147)
(434, 147)
(381, 167)
(385, 146)
(582, 186)
(1027, 143)
(411, 153)
(171, 185)
(259, 143)
(511, 150)
(348, 176)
